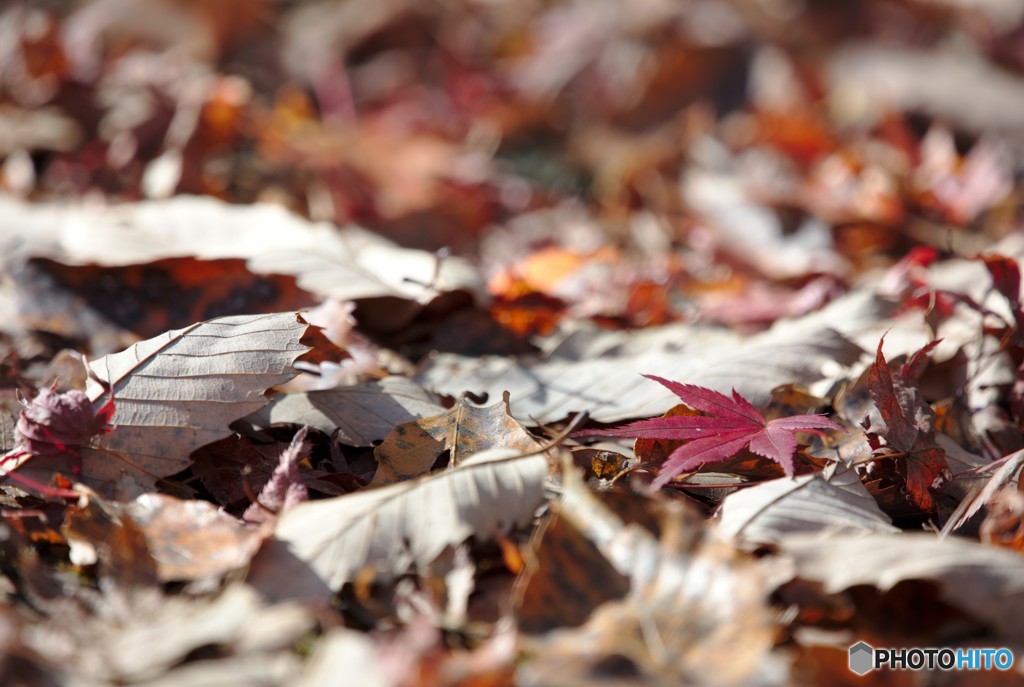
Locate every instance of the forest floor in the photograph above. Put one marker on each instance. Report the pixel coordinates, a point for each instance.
(487, 343)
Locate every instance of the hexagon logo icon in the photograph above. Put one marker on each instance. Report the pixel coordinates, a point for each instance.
(862, 658)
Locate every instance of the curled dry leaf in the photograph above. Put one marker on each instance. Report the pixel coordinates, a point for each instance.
(318, 546)
(693, 591)
(909, 430)
(411, 449)
(55, 423)
(284, 489)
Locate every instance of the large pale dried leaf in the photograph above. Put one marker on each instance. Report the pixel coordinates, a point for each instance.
(158, 632)
(181, 390)
(231, 671)
(983, 581)
(755, 233)
(344, 264)
(869, 80)
(320, 545)
(343, 651)
(693, 591)
(607, 381)
(362, 414)
(773, 510)
(413, 447)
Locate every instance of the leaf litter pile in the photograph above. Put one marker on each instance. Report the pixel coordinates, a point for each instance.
(502, 343)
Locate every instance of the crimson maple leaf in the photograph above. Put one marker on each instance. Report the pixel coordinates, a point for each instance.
(909, 428)
(733, 424)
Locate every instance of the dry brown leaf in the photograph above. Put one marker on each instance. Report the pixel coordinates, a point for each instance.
(412, 448)
(97, 533)
(566, 578)
(157, 538)
(191, 540)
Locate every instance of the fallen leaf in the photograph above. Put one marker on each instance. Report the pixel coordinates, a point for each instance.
(1004, 524)
(147, 299)
(909, 427)
(601, 373)
(159, 633)
(412, 448)
(343, 651)
(1005, 273)
(565, 580)
(191, 540)
(343, 264)
(699, 596)
(734, 424)
(361, 414)
(983, 581)
(284, 489)
(97, 533)
(235, 468)
(55, 423)
(771, 511)
(318, 546)
(945, 84)
(177, 392)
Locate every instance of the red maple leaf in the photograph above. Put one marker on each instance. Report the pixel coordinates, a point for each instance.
(909, 427)
(731, 424)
